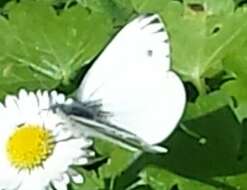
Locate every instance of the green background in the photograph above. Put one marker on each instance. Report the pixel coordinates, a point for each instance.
(49, 44)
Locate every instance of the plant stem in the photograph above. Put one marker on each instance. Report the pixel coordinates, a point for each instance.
(200, 85)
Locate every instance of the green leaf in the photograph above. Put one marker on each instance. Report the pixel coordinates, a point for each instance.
(146, 6)
(142, 187)
(214, 7)
(206, 104)
(206, 40)
(119, 10)
(236, 65)
(160, 179)
(118, 159)
(36, 54)
(190, 165)
(91, 181)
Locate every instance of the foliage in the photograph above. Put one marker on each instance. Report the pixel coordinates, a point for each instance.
(47, 44)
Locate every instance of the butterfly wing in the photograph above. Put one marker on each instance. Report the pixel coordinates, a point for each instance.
(115, 134)
(142, 41)
(133, 81)
(84, 119)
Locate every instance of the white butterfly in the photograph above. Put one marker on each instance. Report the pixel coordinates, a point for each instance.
(130, 95)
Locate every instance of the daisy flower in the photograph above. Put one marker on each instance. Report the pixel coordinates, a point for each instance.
(37, 147)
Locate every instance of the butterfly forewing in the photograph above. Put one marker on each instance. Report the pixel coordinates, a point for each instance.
(142, 42)
(133, 81)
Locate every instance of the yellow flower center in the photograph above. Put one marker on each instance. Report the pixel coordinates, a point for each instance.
(29, 146)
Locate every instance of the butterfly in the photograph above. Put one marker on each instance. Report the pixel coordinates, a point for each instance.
(130, 95)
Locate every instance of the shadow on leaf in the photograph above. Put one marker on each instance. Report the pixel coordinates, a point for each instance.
(222, 155)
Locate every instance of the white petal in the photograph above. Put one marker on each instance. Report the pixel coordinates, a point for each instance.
(2, 109)
(81, 142)
(11, 104)
(76, 177)
(11, 178)
(44, 100)
(69, 151)
(54, 96)
(63, 134)
(60, 99)
(80, 161)
(32, 182)
(69, 101)
(61, 183)
(28, 106)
